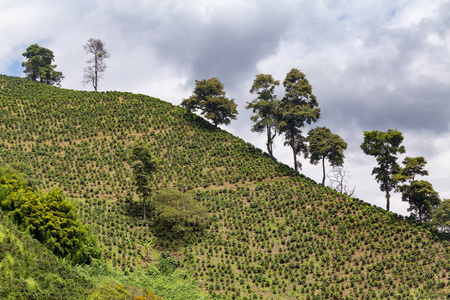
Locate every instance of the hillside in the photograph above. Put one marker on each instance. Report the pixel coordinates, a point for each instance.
(272, 234)
(29, 271)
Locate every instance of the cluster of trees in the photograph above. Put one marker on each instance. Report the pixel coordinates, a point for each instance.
(424, 201)
(39, 67)
(175, 215)
(287, 116)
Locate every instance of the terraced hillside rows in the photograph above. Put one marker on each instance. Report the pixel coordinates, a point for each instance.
(272, 234)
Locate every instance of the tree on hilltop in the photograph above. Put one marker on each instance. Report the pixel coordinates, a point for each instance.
(38, 66)
(384, 146)
(441, 216)
(265, 106)
(209, 98)
(323, 144)
(297, 108)
(96, 64)
(420, 195)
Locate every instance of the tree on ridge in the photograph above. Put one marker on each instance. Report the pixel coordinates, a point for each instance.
(297, 108)
(209, 98)
(38, 66)
(96, 64)
(323, 144)
(265, 106)
(384, 146)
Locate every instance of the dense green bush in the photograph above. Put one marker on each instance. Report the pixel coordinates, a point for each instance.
(48, 217)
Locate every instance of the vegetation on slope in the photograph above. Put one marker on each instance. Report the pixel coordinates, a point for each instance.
(29, 271)
(270, 233)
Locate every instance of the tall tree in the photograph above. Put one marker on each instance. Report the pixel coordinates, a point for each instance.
(384, 146)
(298, 107)
(209, 98)
(323, 144)
(96, 64)
(265, 106)
(38, 66)
(144, 166)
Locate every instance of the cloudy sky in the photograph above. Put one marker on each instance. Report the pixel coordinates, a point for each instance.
(373, 64)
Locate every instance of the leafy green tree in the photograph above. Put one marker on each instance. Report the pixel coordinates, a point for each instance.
(420, 194)
(298, 107)
(96, 64)
(178, 214)
(441, 216)
(413, 166)
(384, 146)
(209, 98)
(265, 106)
(38, 66)
(323, 144)
(422, 199)
(144, 166)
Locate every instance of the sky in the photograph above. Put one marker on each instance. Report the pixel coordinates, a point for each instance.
(373, 64)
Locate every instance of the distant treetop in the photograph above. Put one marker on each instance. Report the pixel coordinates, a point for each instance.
(38, 66)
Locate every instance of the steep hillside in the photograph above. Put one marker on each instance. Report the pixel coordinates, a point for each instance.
(29, 271)
(272, 234)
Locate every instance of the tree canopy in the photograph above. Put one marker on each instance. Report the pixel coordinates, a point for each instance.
(265, 107)
(38, 66)
(209, 98)
(420, 194)
(441, 216)
(323, 144)
(384, 146)
(298, 107)
(422, 199)
(96, 64)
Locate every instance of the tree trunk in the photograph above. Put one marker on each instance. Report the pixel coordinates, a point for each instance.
(387, 200)
(269, 142)
(323, 168)
(95, 72)
(295, 157)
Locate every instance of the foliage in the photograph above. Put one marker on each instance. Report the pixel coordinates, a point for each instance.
(441, 216)
(167, 263)
(422, 198)
(384, 146)
(420, 194)
(323, 144)
(148, 284)
(265, 106)
(209, 97)
(96, 64)
(178, 215)
(48, 217)
(38, 66)
(298, 108)
(144, 166)
(29, 271)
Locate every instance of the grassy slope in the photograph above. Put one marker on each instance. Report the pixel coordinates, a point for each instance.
(29, 271)
(271, 235)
